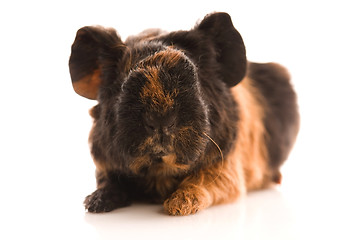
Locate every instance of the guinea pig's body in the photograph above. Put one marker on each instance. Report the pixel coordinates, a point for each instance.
(178, 120)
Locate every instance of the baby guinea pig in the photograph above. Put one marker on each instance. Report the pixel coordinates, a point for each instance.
(182, 118)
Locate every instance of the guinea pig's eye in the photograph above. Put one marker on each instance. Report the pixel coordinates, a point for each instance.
(170, 126)
(149, 127)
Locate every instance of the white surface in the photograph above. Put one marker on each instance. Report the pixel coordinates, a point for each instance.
(46, 169)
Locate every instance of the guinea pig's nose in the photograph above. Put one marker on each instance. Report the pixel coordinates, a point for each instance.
(161, 154)
(159, 126)
(158, 156)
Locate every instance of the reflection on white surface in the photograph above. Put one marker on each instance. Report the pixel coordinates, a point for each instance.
(252, 217)
(46, 169)
(265, 214)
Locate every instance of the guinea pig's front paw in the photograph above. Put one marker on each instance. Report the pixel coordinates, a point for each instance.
(184, 202)
(105, 200)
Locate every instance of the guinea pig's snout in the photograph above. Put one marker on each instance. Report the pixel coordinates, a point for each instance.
(162, 146)
(162, 134)
(163, 138)
(158, 127)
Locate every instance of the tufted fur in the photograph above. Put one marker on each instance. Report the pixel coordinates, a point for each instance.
(182, 118)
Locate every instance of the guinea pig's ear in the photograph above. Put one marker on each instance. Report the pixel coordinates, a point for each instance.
(94, 50)
(229, 46)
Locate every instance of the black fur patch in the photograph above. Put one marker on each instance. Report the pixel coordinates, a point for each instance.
(281, 119)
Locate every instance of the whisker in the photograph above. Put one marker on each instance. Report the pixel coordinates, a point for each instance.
(221, 154)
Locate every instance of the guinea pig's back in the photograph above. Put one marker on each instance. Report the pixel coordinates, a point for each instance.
(281, 117)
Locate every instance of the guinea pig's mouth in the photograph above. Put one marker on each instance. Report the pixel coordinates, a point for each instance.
(159, 151)
(157, 160)
(159, 154)
(157, 157)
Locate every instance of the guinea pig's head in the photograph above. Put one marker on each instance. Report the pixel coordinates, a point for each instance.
(150, 102)
(160, 110)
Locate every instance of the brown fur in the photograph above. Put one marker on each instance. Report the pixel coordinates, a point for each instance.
(153, 90)
(252, 134)
(138, 163)
(167, 166)
(166, 58)
(216, 184)
(187, 135)
(244, 169)
(88, 86)
(160, 174)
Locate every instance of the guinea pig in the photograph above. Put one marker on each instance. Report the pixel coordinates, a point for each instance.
(182, 118)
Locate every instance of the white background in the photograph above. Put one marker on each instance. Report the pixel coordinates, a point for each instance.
(46, 169)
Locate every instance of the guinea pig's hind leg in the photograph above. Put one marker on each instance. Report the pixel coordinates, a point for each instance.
(111, 194)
